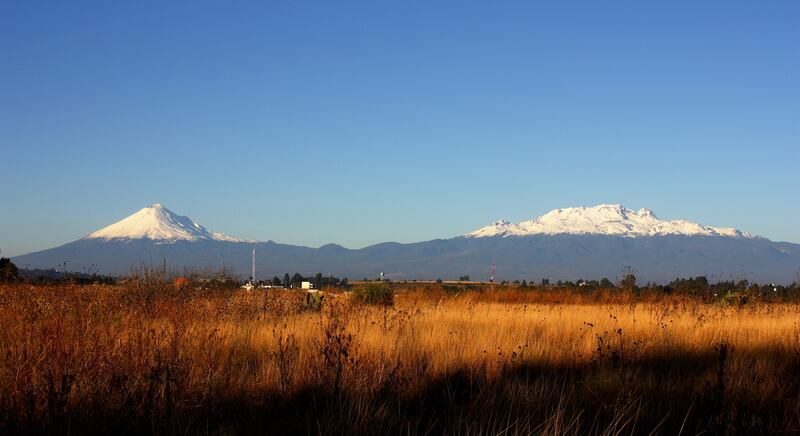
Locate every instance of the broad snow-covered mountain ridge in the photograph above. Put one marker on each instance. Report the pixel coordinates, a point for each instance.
(605, 219)
(158, 223)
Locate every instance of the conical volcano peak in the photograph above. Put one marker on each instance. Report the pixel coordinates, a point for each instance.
(603, 219)
(156, 222)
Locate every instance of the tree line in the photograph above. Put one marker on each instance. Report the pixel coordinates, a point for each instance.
(318, 280)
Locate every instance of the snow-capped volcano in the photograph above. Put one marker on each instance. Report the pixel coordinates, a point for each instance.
(158, 223)
(605, 219)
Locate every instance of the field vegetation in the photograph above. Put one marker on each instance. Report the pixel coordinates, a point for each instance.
(154, 356)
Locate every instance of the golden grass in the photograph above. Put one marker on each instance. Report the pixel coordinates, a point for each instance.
(102, 359)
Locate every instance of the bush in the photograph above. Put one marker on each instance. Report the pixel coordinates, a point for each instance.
(8, 271)
(314, 301)
(451, 289)
(374, 293)
(145, 283)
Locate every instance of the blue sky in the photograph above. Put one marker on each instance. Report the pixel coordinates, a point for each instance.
(362, 122)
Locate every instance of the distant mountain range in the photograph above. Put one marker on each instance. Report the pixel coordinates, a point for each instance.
(564, 244)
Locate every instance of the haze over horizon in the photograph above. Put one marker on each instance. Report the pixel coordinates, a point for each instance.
(317, 123)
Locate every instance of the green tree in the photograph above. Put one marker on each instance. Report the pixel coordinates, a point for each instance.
(628, 283)
(8, 271)
(318, 281)
(297, 279)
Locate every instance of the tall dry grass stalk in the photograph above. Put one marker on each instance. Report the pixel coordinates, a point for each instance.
(141, 358)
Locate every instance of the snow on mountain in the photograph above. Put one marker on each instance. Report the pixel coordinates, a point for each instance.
(500, 227)
(158, 223)
(605, 219)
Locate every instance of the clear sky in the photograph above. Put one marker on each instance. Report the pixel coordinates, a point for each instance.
(361, 122)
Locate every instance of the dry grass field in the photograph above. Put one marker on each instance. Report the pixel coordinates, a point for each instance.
(149, 359)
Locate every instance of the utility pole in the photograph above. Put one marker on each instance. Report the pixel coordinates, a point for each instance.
(253, 276)
(266, 288)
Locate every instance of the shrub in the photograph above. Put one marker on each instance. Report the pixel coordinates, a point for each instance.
(180, 282)
(8, 271)
(314, 301)
(374, 293)
(451, 289)
(145, 283)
